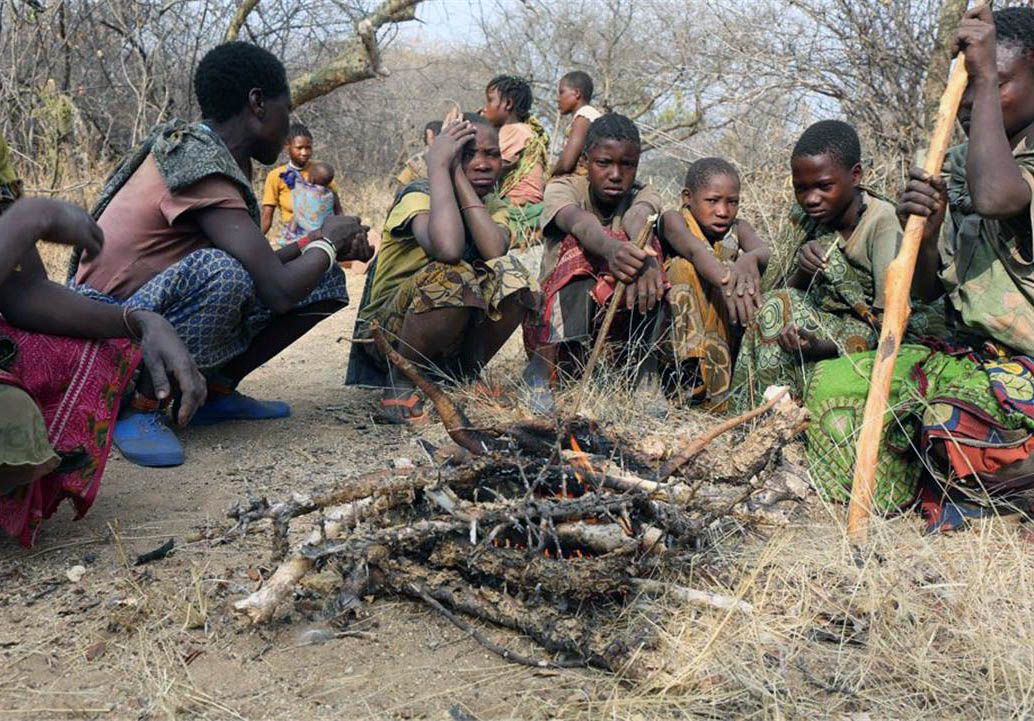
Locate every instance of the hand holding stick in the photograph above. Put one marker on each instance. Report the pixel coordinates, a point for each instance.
(608, 320)
(898, 284)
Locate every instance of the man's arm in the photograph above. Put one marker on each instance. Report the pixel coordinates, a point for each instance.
(996, 183)
(267, 218)
(280, 285)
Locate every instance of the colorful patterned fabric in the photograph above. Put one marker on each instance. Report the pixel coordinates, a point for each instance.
(523, 222)
(960, 420)
(77, 386)
(701, 329)
(277, 193)
(841, 305)
(987, 265)
(400, 256)
(482, 285)
(568, 317)
(209, 298)
(535, 156)
(185, 153)
(313, 204)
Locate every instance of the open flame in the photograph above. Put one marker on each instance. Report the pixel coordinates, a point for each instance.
(581, 460)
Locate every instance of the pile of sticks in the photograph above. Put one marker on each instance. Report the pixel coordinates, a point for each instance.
(522, 528)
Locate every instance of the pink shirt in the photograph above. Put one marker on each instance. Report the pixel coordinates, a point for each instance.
(147, 228)
(512, 140)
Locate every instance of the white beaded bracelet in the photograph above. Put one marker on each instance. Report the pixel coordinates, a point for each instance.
(326, 247)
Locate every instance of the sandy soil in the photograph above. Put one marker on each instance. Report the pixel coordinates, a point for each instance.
(158, 641)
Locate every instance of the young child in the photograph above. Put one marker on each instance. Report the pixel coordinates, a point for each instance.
(313, 203)
(714, 263)
(524, 145)
(833, 300)
(415, 167)
(586, 225)
(444, 289)
(573, 95)
(964, 422)
(278, 192)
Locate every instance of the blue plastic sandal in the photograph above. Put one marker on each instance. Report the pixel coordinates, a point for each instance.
(144, 439)
(238, 407)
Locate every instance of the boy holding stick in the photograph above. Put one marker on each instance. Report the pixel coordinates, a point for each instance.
(964, 412)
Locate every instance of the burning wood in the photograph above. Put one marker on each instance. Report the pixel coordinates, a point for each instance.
(518, 533)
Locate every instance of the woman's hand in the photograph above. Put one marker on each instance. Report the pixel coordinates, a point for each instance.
(447, 148)
(349, 237)
(811, 259)
(168, 361)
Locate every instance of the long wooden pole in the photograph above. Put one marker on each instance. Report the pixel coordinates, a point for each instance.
(896, 311)
(608, 320)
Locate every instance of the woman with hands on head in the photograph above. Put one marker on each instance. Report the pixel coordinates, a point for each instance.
(444, 290)
(65, 361)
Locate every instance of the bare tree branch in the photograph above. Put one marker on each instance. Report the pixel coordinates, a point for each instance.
(239, 17)
(360, 57)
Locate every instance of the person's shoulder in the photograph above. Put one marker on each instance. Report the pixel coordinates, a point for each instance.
(881, 208)
(516, 130)
(273, 176)
(588, 112)
(568, 184)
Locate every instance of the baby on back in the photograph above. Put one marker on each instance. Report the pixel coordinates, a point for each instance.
(313, 203)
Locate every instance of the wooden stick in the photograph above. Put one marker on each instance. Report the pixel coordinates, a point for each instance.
(896, 311)
(700, 443)
(608, 320)
(456, 423)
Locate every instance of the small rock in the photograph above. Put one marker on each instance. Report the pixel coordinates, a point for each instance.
(89, 558)
(96, 651)
(314, 636)
(75, 573)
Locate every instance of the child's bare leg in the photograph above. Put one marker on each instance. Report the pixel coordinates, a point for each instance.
(422, 337)
(481, 346)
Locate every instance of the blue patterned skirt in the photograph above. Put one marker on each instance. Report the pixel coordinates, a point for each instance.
(210, 299)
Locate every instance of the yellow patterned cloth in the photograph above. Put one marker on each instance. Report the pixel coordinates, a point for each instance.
(700, 325)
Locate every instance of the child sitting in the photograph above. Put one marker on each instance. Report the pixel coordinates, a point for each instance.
(278, 192)
(962, 430)
(586, 225)
(524, 145)
(833, 300)
(714, 265)
(573, 95)
(415, 167)
(444, 288)
(313, 203)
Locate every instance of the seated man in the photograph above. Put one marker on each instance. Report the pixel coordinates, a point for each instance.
(832, 302)
(964, 421)
(444, 289)
(714, 262)
(183, 239)
(65, 361)
(586, 225)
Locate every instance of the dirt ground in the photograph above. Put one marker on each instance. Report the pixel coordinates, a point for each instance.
(158, 640)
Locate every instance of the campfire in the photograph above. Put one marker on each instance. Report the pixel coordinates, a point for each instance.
(549, 528)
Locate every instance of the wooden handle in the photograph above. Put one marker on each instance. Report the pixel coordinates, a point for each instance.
(608, 320)
(896, 311)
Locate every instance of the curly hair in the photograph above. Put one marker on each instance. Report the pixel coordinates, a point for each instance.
(1015, 27)
(298, 130)
(701, 171)
(581, 82)
(228, 72)
(611, 126)
(833, 137)
(514, 89)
